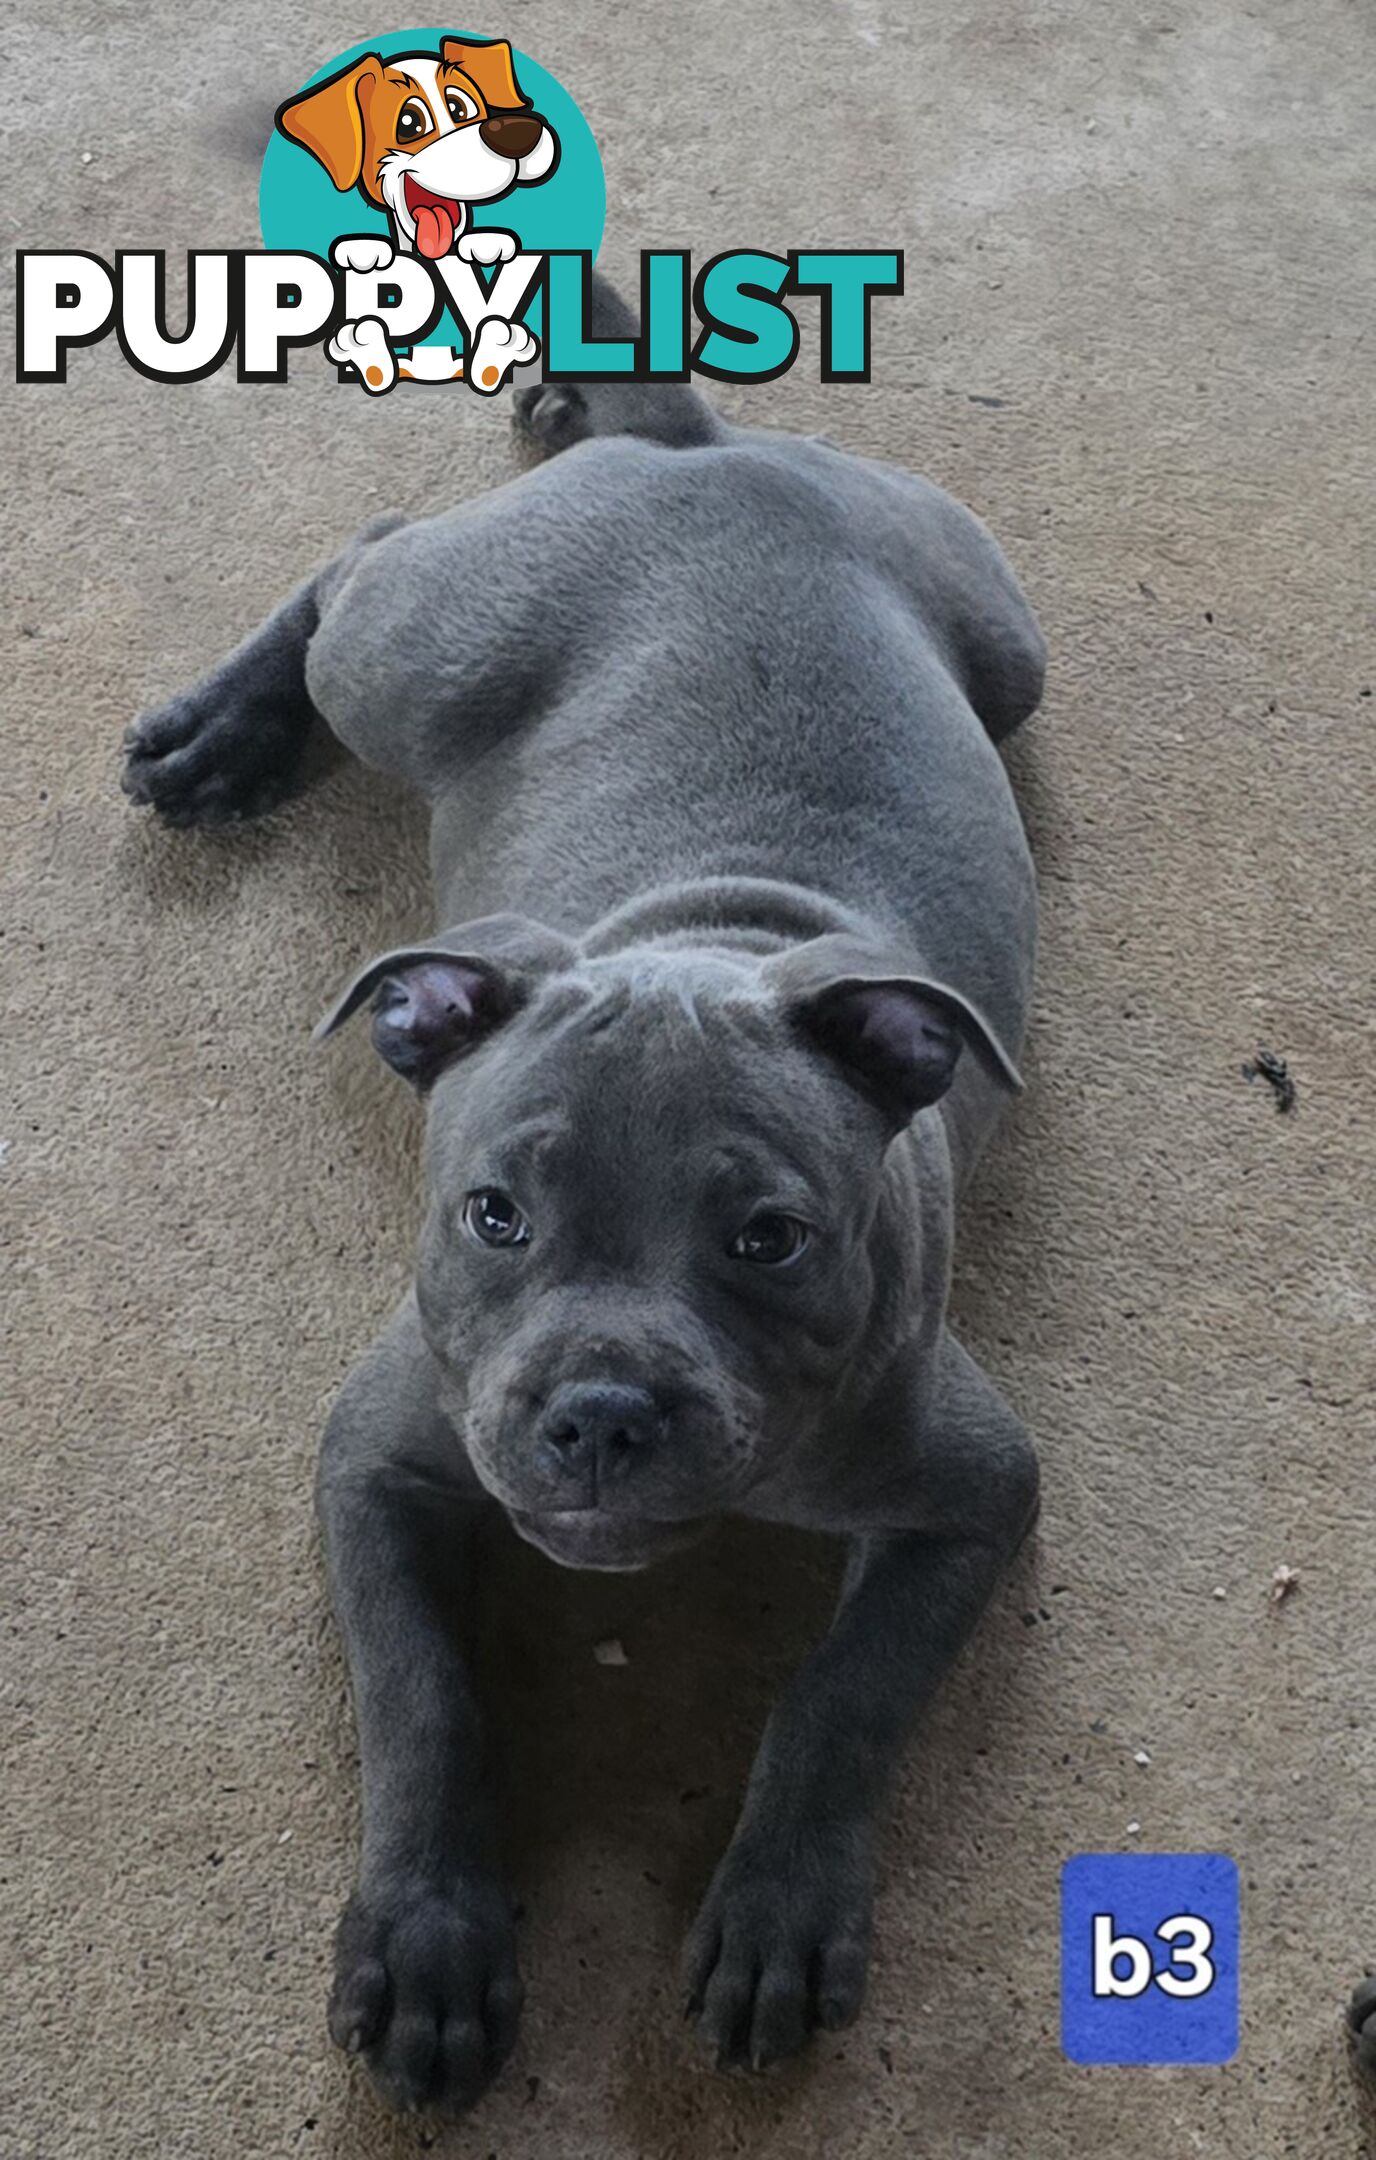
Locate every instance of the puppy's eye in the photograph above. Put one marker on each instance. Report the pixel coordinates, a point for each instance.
(413, 120)
(493, 1218)
(771, 1240)
(460, 107)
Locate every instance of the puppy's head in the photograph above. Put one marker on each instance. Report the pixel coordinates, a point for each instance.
(661, 1239)
(425, 135)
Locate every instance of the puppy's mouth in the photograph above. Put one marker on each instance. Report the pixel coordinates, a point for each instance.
(611, 1544)
(438, 218)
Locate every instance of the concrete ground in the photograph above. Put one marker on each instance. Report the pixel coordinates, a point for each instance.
(1137, 336)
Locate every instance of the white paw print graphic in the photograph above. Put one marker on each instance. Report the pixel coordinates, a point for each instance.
(363, 252)
(498, 348)
(363, 345)
(486, 248)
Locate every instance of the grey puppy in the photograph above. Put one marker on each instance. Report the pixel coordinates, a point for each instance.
(737, 929)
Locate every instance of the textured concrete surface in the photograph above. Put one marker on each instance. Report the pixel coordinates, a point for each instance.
(1139, 285)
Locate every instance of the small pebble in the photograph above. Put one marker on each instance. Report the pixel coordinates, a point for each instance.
(1219, 1591)
(88, 157)
(610, 1652)
(1283, 1582)
(1142, 1757)
(1133, 1828)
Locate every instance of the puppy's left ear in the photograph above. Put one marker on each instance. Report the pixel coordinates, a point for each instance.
(490, 67)
(434, 1004)
(896, 1035)
(329, 120)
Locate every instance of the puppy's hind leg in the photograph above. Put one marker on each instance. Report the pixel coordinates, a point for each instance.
(554, 416)
(233, 746)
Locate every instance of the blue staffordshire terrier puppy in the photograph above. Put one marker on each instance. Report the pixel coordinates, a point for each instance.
(736, 931)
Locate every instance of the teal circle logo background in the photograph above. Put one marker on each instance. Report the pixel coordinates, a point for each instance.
(300, 207)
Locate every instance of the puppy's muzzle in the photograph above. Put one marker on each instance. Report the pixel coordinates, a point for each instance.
(512, 135)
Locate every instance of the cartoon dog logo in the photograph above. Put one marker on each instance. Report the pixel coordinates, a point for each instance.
(423, 137)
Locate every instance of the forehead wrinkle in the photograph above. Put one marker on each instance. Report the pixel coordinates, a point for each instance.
(764, 1160)
(604, 1008)
(530, 1148)
(633, 1058)
(643, 1059)
(558, 1001)
(537, 1135)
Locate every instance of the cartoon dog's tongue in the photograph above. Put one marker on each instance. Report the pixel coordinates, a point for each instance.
(434, 229)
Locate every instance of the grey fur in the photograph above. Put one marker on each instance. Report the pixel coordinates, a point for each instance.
(732, 884)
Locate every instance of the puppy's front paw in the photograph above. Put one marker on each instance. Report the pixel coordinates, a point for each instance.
(780, 1946)
(1361, 2019)
(498, 348)
(364, 252)
(426, 1988)
(486, 247)
(363, 346)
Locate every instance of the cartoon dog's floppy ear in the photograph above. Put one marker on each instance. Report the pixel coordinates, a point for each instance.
(489, 66)
(433, 1004)
(328, 120)
(896, 1034)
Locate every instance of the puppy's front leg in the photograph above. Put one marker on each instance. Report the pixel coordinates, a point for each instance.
(426, 1986)
(781, 1944)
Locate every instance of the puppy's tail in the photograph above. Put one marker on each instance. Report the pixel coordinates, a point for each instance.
(553, 416)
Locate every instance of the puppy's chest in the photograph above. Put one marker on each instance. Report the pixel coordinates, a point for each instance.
(839, 1499)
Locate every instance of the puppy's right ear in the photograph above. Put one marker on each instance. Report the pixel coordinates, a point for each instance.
(894, 1031)
(329, 120)
(433, 1004)
(490, 67)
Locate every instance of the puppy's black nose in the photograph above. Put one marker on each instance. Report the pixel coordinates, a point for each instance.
(598, 1422)
(512, 135)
